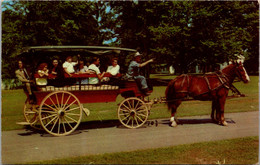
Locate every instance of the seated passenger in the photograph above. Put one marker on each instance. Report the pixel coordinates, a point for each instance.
(57, 78)
(94, 67)
(134, 72)
(83, 69)
(24, 76)
(43, 74)
(68, 66)
(113, 70)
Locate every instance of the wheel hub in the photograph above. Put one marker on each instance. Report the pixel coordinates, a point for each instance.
(61, 113)
(132, 113)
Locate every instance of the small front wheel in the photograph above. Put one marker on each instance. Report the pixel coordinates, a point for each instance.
(133, 112)
(31, 114)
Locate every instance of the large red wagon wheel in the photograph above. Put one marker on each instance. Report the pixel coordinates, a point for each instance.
(31, 114)
(133, 112)
(60, 113)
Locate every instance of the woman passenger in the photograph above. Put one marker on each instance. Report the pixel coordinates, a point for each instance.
(43, 74)
(57, 74)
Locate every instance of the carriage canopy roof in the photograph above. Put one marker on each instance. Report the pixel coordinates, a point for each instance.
(82, 50)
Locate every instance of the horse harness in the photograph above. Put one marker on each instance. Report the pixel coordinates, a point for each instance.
(221, 77)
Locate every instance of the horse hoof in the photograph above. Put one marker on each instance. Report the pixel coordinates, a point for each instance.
(224, 123)
(174, 124)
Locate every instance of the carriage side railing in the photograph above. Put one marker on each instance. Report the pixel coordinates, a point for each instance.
(78, 86)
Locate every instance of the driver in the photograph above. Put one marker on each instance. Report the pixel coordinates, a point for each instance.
(134, 72)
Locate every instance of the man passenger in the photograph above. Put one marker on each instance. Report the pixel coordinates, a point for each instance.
(23, 75)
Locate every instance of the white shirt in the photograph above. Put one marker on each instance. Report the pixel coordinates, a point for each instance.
(69, 66)
(94, 80)
(84, 69)
(113, 70)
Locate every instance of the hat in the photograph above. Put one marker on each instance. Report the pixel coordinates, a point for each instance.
(137, 54)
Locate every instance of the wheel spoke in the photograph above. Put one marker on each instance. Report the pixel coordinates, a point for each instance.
(57, 100)
(132, 123)
(140, 119)
(59, 127)
(49, 112)
(140, 108)
(62, 97)
(126, 106)
(72, 109)
(49, 116)
(129, 104)
(126, 117)
(54, 124)
(68, 123)
(36, 119)
(53, 103)
(136, 104)
(66, 102)
(139, 114)
(128, 121)
(64, 128)
(122, 114)
(51, 121)
(70, 104)
(50, 107)
(136, 122)
(71, 119)
(123, 110)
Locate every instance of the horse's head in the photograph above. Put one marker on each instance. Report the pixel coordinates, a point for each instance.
(241, 71)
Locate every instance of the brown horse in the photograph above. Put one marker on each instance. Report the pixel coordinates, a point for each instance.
(211, 86)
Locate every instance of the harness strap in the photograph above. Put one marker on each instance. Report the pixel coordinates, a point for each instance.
(207, 81)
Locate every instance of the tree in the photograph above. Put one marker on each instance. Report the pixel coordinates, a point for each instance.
(31, 23)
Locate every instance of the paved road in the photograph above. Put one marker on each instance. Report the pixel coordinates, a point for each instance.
(25, 146)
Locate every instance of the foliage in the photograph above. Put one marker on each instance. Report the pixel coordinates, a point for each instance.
(40, 23)
(188, 33)
(179, 33)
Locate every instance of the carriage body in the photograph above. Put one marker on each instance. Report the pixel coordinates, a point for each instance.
(58, 110)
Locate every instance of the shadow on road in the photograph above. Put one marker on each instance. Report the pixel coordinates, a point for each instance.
(195, 121)
(88, 125)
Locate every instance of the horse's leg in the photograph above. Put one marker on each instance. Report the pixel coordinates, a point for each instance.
(173, 107)
(221, 107)
(213, 110)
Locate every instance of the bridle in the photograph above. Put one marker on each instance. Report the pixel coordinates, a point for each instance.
(239, 75)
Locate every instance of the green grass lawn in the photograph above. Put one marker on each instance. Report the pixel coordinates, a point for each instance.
(233, 151)
(13, 101)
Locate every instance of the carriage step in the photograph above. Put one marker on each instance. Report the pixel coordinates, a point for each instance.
(23, 123)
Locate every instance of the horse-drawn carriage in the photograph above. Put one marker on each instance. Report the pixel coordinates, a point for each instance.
(58, 110)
